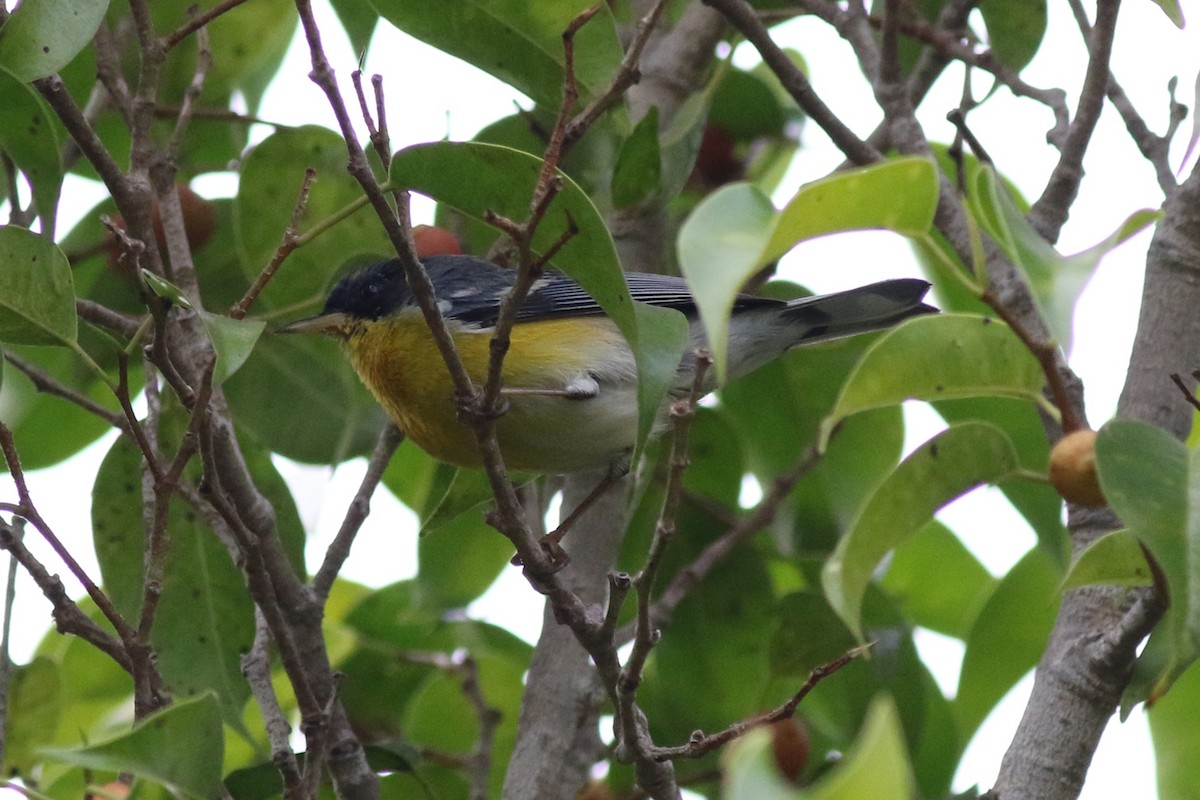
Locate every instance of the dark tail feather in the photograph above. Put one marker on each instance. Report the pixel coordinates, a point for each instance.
(867, 308)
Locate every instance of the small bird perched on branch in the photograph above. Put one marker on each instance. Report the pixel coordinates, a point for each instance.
(570, 380)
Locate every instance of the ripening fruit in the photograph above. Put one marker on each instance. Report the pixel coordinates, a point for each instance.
(433, 241)
(791, 746)
(716, 162)
(1073, 469)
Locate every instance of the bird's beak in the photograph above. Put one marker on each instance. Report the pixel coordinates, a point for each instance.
(333, 324)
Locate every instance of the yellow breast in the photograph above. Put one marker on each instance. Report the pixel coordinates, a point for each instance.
(398, 360)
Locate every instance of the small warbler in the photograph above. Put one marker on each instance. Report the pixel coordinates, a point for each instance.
(569, 377)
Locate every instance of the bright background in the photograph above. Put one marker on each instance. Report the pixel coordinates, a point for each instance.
(432, 96)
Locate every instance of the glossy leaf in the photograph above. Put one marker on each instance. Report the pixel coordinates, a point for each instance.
(1056, 280)
(233, 340)
(946, 467)
(720, 246)
(1150, 478)
(1115, 559)
(736, 230)
(1039, 503)
(665, 333)
(1007, 637)
(31, 141)
(37, 295)
(40, 38)
(974, 356)
(518, 42)
(899, 195)
(181, 746)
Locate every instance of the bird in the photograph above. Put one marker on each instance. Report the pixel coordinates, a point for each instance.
(569, 378)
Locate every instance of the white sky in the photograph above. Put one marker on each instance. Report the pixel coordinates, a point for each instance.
(461, 100)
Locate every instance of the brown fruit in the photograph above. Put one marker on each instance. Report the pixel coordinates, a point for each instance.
(434, 241)
(716, 162)
(791, 746)
(1073, 469)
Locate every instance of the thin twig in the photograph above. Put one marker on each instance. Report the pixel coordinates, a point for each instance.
(291, 239)
(716, 552)
(746, 20)
(197, 22)
(192, 93)
(356, 512)
(45, 382)
(10, 596)
(27, 510)
(1049, 212)
(256, 668)
(702, 744)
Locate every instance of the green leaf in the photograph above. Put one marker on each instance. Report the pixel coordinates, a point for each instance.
(666, 333)
(1056, 280)
(1116, 559)
(518, 42)
(233, 339)
(1038, 502)
(31, 141)
(1015, 29)
(877, 765)
(1150, 479)
(1008, 637)
(459, 561)
(720, 246)
(949, 604)
(945, 467)
(181, 746)
(899, 195)
(359, 20)
(735, 231)
(40, 38)
(976, 356)
(165, 289)
(638, 171)
(749, 771)
(1176, 747)
(35, 706)
(37, 295)
(1174, 12)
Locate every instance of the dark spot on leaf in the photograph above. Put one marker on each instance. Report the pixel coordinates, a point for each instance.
(933, 450)
(987, 320)
(45, 48)
(939, 388)
(202, 639)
